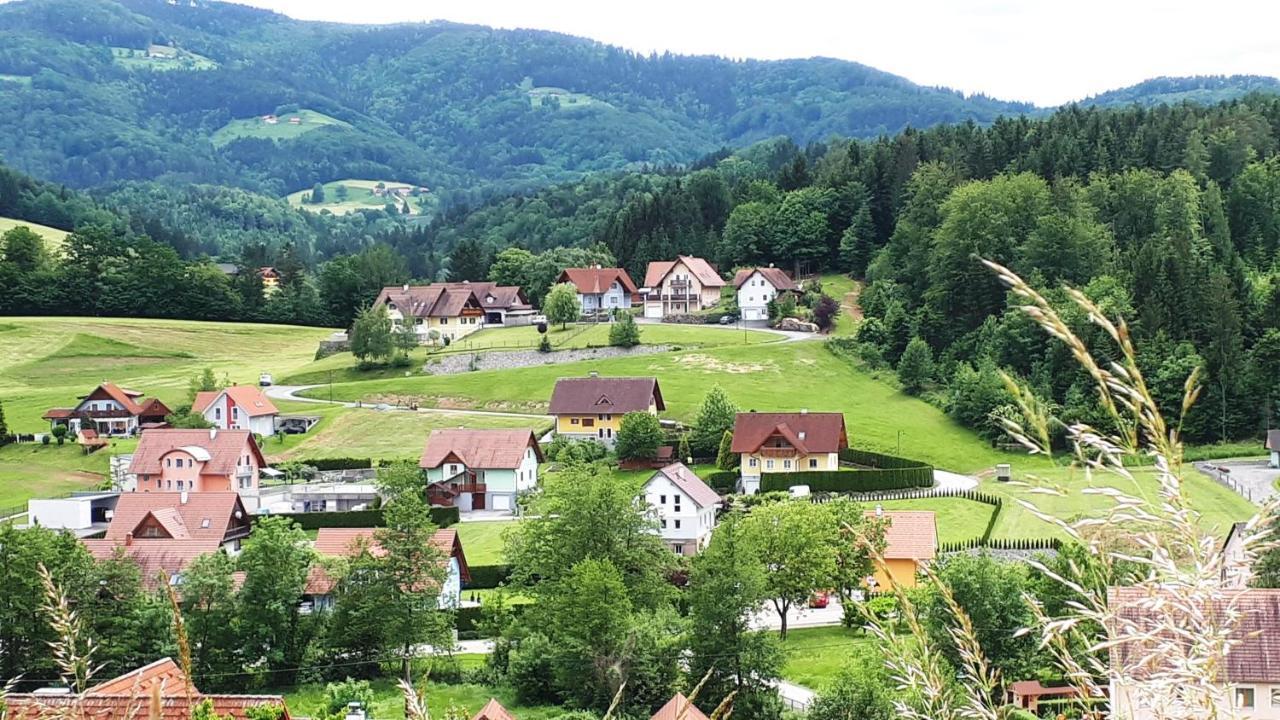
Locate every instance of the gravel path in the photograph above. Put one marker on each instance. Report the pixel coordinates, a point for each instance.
(290, 392)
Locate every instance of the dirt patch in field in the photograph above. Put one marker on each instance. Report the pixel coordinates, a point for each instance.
(710, 364)
(849, 304)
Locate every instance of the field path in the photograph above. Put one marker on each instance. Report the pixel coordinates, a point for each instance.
(850, 305)
(290, 392)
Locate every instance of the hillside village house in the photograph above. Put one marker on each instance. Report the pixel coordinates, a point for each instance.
(165, 531)
(480, 469)
(347, 542)
(270, 280)
(109, 410)
(591, 408)
(454, 310)
(756, 287)
(1248, 683)
(787, 443)
(239, 407)
(677, 287)
(685, 507)
(1235, 569)
(600, 288)
(199, 461)
(128, 696)
(911, 542)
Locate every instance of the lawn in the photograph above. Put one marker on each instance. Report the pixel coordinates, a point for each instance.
(359, 193)
(49, 362)
(170, 59)
(815, 655)
(256, 127)
(482, 541)
(839, 287)
(30, 469)
(53, 237)
(388, 703)
(957, 519)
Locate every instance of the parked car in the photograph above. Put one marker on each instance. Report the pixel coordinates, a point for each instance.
(265, 380)
(819, 600)
(726, 319)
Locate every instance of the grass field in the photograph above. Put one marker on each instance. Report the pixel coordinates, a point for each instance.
(838, 287)
(53, 237)
(564, 99)
(388, 703)
(815, 655)
(482, 541)
(161, 57)
(28, 470)
(359, 195)
(957, 519)
(256, 127)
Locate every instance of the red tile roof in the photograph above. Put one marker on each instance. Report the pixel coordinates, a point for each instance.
(59, 413)
(1035, 689)
(225, 447)
(679, 708)
(776, 277)
(701, 269)
(164, 672)
(484, 449)
(1254, 654)
(690, 484)
(204, 516)
(344, 542)
(909, 535)
(154, 556)
(807, 432)
(493, 710)
(613, 395)
(595, 281)
(126, 398)
(448, 299)
(130, 400)
(248, 398)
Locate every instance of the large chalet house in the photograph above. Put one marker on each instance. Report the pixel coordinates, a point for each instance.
(318, 594)
(480, 469)
(601, 289)
(164, 531)
(787, 443)
(591, 408)
(681, 286)
(1247, 684)
(159, 690)
(757, 287)
(685, 507)
(109, 410)
(198, 461)
(454, 310)
(239, 407)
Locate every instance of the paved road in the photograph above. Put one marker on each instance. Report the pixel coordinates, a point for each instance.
(799, 617)
(290, 392)
(944, 480)
(1249, 477)
(795, 697)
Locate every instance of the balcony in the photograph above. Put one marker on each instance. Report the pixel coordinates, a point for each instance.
(778, 452)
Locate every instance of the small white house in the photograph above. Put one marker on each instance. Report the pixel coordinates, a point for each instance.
(1273, 448)
(685, 507)
(239, 407)
(756, 287)
(601, 289)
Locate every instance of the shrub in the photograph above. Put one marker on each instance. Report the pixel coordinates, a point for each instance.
(544, 344)
(566, 449)
(850, 480)
(726, 458)
(625, 332)
(441, 516)
(825, 311)
(639, 437)
(915, 367)
(340, 463)
(484, 577)
(531, 673)
(723, 481)
(46, 439)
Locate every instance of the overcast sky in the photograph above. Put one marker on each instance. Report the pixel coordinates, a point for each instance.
(1044, 51)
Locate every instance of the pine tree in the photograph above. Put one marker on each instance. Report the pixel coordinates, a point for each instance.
(715, 417)
(915, 368)
(726, 459)
(625, 332)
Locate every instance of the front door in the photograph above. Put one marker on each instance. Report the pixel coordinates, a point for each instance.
(477, 502)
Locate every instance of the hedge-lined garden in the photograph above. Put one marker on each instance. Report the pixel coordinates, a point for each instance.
(882, 472)
(441, 516)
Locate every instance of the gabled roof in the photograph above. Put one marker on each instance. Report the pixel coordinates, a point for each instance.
(344, 542)
(225, 447)
(204, 516)
(154, 408)
(484, 449)
(909, 534)
(701, 269)
(248, 398)
(164, 672)
(689, 483)
(448, 299)
(612, 395)
(126, 398)
(1254, 654)
(155, 556)
(596, 280)
(776, 277)
(808, 432)
(493, 710)
(679, 708)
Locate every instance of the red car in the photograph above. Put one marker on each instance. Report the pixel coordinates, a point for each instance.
(819, 600)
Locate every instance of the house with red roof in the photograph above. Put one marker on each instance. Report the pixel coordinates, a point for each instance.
(679, 707)
(787, 443)
(239, 407)
(685, 507)
(109, 410)
(133, 696)
(681, 286)
(455, 310)
(591, 408)
(198, 461)
(910, 543)
(493, 710)
(480, 469)
(757, 287)
(349, 542)
(601, 289)
(164, 531)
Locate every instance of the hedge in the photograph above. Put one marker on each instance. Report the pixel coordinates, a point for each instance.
(339, 463)
(441, 516)
(487, 576)
(850, 480)
(879, 460)
(469, 616)
(723, 481)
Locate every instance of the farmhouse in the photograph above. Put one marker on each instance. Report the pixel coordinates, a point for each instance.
(109, 410)
(348, 542)
(165, 531)
(787, 443)
(600, 288)
(270, 280)
(1248, 683)
(161, 685)
(480, 469)
(685, 506)
(239, 407)
(756, 287)
(676, 287)
(911, 541)
(198, 461)
(454, 310)
(591, 408)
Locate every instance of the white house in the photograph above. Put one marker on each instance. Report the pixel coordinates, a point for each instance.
(756, 287)
(685, 507)
(239, 407)
(601, 288)
(480, 469)
(676, 287)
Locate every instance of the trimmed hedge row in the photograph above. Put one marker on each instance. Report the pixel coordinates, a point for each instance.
(1043, 543)
(850, 480)
(441, 516)
(484, 577)
(879, 460)
(339, 463)
(723, 481)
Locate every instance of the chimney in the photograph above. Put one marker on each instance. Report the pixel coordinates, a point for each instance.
(405, 288)
(804, 411)
(213, 433)
(183, 497)
(128, 539)
(879, 511)
(594, 373)
(770, 264)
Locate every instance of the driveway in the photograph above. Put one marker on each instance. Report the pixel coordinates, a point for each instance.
(1249, 477)
(795, 697)
(943, 480)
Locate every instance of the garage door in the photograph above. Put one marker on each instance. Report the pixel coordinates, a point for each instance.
(753, 314)
(501, 502)
(653, 310)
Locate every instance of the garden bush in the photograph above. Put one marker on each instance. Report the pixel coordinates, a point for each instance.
(487, 576)
(850, 479)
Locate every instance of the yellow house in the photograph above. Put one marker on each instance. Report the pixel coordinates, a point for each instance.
(911, 540)
(593, 407)
(451, 309)
(787, 443)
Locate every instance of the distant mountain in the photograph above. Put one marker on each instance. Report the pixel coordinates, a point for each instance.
(1202, 89)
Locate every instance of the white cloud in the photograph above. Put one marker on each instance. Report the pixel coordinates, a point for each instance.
(1040, 51)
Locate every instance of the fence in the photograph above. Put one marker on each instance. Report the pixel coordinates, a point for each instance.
(1003, 544)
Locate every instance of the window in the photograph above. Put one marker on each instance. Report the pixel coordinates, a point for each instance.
(662, 499)
(179, 484)
(217, 413)
(752, 462)
(678, 548)
(1275, 697)
(768, 464)
(573, 421)
(444, 321)
(677, 505)
(1244, 697)
(813, 463)
(678, 527)
(588, 422)
(664, 524)
(786, 464)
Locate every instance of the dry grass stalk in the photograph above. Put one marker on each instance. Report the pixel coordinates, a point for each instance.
(72, 649)
(180, 635)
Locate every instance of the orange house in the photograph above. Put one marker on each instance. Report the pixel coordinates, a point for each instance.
(911, 541)
(171, 460)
